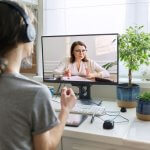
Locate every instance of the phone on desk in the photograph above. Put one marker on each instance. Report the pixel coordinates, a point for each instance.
(74, 120)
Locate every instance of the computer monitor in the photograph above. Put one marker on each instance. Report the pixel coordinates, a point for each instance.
(81, 60)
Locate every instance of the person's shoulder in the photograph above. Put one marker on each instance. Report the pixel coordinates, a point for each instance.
(30, 83)
(27, 79)
(90, 61)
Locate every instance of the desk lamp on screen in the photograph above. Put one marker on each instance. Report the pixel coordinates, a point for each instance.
(81, 60)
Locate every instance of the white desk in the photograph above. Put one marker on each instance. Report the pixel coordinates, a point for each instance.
(132, 135)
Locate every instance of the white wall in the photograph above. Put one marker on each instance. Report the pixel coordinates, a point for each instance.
(84, 16)
(93, 16)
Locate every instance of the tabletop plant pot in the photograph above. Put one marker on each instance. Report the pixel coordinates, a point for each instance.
(143, 107)
(134, 48)
(127, 95)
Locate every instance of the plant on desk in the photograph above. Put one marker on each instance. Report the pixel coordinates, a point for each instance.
(134, 50)
(143, 106)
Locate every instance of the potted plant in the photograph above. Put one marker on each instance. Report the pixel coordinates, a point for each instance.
(143, 106)
(134, 50)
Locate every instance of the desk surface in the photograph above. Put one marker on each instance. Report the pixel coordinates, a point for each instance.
(134, 133)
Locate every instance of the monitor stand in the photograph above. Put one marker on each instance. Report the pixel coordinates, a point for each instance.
(84, 93)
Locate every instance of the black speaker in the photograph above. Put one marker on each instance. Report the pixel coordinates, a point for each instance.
(30, 33)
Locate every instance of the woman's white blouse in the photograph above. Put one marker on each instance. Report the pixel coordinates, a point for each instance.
(91, 65)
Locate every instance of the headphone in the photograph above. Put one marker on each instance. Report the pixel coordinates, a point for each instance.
(29, 33)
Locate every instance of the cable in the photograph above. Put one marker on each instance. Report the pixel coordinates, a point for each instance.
(57, 92)
(115, 116)
(126, 120)
(93, 116)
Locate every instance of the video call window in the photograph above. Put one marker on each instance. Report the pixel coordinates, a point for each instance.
(95, 58)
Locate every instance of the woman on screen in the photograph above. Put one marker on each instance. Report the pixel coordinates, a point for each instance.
(78, 64)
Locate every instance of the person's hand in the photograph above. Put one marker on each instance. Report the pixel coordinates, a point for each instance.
(68, 99)
(87, 72)
(91, 76)
(67, 72)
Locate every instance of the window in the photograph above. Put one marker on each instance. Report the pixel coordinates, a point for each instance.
(33, 67)
(96, 16)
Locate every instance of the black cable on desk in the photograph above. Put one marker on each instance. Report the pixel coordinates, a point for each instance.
(115, 116)
(93, 116)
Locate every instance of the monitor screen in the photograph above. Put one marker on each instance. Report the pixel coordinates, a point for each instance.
(80, 59)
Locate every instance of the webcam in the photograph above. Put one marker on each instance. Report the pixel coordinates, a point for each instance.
(108, 124)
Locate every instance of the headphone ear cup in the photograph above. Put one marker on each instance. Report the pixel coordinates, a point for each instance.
(27, 33)
(30, 33)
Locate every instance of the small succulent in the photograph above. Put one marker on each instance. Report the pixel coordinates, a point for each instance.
(145, 96)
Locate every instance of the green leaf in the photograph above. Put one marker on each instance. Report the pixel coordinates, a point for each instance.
(134, 47)
(145, 96)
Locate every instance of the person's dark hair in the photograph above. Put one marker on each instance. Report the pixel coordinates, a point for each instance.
(74, 44)
(11, 29)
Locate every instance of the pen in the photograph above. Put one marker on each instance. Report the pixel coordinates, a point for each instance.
(100, 102)
(92, 119)
(93, 116)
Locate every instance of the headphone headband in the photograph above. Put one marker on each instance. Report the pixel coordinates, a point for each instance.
(30, 33)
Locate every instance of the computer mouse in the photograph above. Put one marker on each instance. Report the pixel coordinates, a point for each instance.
(108, 124)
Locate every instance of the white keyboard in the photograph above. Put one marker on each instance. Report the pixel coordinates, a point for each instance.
(83, 109)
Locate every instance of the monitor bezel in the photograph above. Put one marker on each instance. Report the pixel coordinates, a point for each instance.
(81, 82)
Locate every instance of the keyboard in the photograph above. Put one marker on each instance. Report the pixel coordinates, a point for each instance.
(83, 109)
